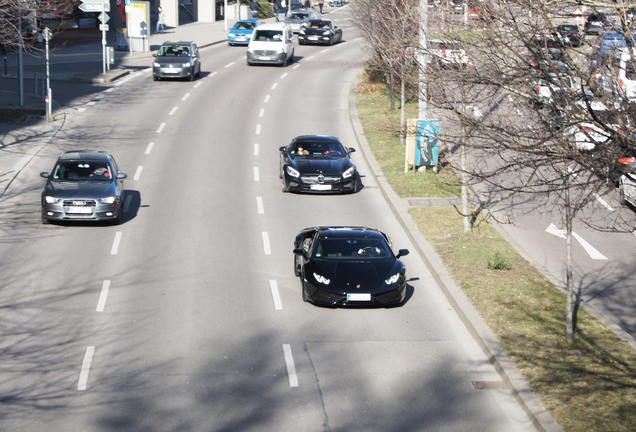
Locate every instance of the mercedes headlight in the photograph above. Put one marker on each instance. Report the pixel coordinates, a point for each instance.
(321, 279)
(155, 64)
(280, 51)
(292, 172)
(51, 200)
(327, 33)
(186, 64)
(348, 173)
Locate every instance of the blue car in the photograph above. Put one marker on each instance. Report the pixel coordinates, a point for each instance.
(241, 32)
(609, 42)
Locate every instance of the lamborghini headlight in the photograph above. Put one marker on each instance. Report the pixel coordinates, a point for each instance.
(393, 279)
(321, 279)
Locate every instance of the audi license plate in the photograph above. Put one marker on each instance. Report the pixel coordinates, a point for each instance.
(84, 210)
(320, 187)
(358, 297)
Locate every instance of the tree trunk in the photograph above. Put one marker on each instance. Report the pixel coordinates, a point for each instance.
(466, 225)
(403, 109)
(392, 90)
(568, 263)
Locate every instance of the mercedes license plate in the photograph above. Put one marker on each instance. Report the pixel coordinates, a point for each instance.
(313, 37)
(83, 210)
(263, 58)
(358, 297)
(320, 187)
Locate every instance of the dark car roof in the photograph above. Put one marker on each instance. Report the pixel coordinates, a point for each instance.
(315, 138)
(96, 155)
(346, 231)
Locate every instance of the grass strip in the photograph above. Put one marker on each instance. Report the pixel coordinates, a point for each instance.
(588, 386)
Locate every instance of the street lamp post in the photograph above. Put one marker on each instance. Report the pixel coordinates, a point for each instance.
(423, 61)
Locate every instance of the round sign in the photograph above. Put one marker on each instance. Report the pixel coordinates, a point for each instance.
(47, 34)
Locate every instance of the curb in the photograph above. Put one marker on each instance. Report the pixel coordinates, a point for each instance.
(514, 380)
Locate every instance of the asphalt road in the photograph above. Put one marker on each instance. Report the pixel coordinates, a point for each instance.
(188, 315)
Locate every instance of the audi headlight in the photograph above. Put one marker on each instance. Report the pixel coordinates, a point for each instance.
(348, 173)
(155, 64)
(292, 172)
(107, 200)
(321, 279)
(393, 279)
(51, 200)
(186, 64)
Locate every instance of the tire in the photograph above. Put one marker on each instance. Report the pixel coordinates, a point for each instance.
(331, 41)
(284, 186)
(355, 186)
(117, 220)
(248, 63)
(199, 72)
(154, 78)
(192, 74)
(302, 290)
(296, 268)
(45, 221)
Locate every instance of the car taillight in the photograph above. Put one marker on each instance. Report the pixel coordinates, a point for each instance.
(443, 53)
(621, 83)
(587, 129)
(627, 160)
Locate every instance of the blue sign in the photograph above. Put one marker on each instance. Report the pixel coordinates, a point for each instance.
(128, 2)
(426, 143)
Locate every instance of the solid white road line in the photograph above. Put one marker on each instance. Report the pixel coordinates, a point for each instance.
(260, 114)
(173, 110)
(267, 249)
(113, 250)
(86, 365)
(602, 201)
(291, 368)
(256, 175)
(102, 297)
(259, 205)
(149, 148)
(127, 204)
(138, 172)
(258, 129)
(187, 95)
(278, 305)
(266, 99)
(274, 86)
(255, 149)
(161, 126)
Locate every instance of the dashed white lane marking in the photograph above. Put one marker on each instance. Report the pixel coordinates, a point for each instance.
(291, 368)
(100, 96)
(260, 114)
(149, 148)
(266, 247)
(187, 95)
(200, 82)
(309, 58)
(324, 51)
(266, 99)
(256, 176)
(255, 149)
(109, 90)
(278, 305)
(284, 75)
(91, 103)
(230, 64)
(127, 204)
(102, 297)
(274, 86)
(603, 202)
(258, 129)
(161, 126)
(296, 66)
(173, 110)
(81, 109)
(138, 172)
(86, 365)
(114, 249)
(259, 205)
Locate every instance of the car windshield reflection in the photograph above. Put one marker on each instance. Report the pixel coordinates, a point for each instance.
(330, 248)
(319, 150)
(82, 171)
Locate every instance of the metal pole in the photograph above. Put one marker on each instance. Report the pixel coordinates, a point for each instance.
(103, 25)
(128, 27)
(20, 41)
(225, 14)
(423, 61)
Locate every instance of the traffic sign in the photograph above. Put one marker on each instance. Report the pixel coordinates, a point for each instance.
(103, 27)
(47, 34)
(103, 17)
(92, 6)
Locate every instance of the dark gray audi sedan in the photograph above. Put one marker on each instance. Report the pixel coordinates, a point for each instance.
(85, 185)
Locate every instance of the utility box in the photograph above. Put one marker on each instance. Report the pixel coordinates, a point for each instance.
(110, 55)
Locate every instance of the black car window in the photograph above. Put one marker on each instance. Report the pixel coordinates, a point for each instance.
(320, 149)
(340, 248)
(83, 171)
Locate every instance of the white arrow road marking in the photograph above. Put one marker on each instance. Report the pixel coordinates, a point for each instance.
(593, 253)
